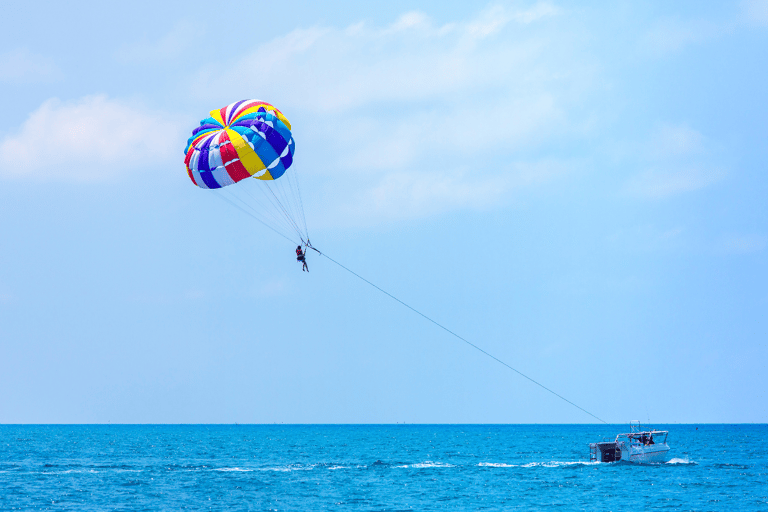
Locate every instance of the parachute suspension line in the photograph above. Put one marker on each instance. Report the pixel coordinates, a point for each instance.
(288, 186)
(273, 212)
(225, 198)
(262, 210)
(301, 203)
(459, 337)
(294, 196)
(265, 214)
(282, 207)
(278, 206)
(284, 201)
(277, 210)
(284, 186)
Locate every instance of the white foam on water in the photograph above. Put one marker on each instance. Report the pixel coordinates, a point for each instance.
(284, 469)
(233, 469)
(427, 464)
(67, 471)
(558, 464)
(497, 465)
(679, 461)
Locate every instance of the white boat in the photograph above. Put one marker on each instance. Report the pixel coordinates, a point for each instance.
(644, 446)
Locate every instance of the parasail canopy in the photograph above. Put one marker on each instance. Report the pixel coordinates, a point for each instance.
(244, 139)
(250, 138)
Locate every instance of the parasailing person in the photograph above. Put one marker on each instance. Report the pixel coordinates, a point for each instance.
(300, 256)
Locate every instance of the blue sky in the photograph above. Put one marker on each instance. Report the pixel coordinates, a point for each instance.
(578, 188)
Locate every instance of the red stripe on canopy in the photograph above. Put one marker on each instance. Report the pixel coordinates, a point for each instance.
(235, 167)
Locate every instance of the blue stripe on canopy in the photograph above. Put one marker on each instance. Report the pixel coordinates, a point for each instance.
(207, 178)
(202, 161)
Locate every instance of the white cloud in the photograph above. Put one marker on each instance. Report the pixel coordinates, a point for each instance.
(677, 159)
(91, 139)
(662, 182)
(411, 20)
(402, 195)
(412, 117)
(495, 17)
(22, 66)
(456, 137)
(327, 70)
(675, 140)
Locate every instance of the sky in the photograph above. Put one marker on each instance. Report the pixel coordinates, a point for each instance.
(577, 188)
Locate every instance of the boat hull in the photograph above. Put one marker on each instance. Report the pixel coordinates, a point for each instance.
(645, 454)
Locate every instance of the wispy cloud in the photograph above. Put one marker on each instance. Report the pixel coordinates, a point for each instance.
(271, 288)
(329, 70)
(662, 182)
(171, 45)
(91, 139)
(677, 160)
(23, 66)
(410, 115)
(399, 195)
(668, 36)
(674, 141)
(745, 243)
(648, 237)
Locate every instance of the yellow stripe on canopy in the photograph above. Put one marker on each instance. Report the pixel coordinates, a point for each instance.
(247, 156)
(266, 176)
(216, 114)
(283, 119)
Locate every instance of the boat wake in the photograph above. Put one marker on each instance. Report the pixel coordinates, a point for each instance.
(681, 462)
(427, 464)
(550, 464)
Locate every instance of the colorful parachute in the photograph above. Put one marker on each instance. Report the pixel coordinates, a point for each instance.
(244, 139)
(250, 138)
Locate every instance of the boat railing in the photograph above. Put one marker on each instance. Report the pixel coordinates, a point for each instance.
(645, 437)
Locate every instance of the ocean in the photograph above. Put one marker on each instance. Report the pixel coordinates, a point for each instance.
(373, 468)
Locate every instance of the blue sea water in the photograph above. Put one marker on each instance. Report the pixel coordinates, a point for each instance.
(373, 467)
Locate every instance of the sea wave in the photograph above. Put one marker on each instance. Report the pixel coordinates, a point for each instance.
(559, 464)
(427, 464)
(66, 472)
(680, 461)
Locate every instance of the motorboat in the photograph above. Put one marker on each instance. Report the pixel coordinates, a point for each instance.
(638, 445)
